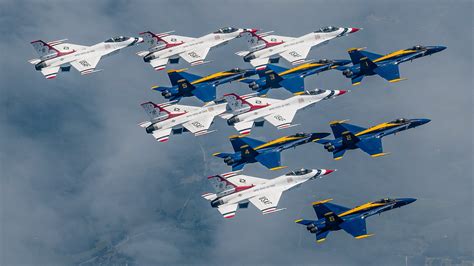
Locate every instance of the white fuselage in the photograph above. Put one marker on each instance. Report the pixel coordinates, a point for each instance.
(204, 112)
(278, 184)
(209, 40)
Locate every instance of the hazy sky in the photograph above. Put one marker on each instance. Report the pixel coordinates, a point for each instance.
(77, 172)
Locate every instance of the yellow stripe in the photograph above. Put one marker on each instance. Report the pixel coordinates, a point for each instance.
(377, 127)
(361, 207)
(338, 121)
(278, 168)
(155, 87)
(394, 54)
(176, 70)
(338, 158)
(234, 136)
(321, 201)
(277, 141)
(320, 240)
(299, 220)
(300, 67)
(216, 153)
(355, 84)
(363, 236)
(298, 93)
(396, 80)
(379, 154)
(355, 49)
(213, 76)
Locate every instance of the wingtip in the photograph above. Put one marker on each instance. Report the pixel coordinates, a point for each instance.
(379, 154)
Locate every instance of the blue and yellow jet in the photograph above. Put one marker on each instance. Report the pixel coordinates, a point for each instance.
(248, 150)
(332, 217)
(350, 137)
(185, 84)
(367, 64)
(291, 79)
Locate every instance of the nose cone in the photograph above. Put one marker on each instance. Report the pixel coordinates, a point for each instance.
(419, 122)
(340, 92)
(352, 30)
(405, 201)
(327, 171)
(435, 49)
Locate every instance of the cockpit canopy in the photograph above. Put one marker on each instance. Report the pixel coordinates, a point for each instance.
(226, 30)
(399, 121)
(323, 61)
(117, 39)
(385, 200)
(418, 47)
(299, 172)
(327, 29)
(314, 92)
(300, 134)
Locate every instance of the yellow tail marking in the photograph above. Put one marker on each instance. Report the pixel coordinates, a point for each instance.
(155, 87)
(396, 80)
(176, 70)
(338, 121)
(355, 84)
(363, 236)
(216, 153)
(278, 168)
(320, 240)
(321, 201)
(338, 158)
(380, 154)
(299, 220)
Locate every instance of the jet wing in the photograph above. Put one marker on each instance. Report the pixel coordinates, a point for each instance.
(162, 135)
(259, 63)
(356, 227)
(389, 72)
(296, 55)
(196, 56)
(244, 127)
(50, 72)
(199, 126)
(271, 160)
(282, 119)
(267, 203)
(86, 65)
(228, 210)
(159, 63)
(372, 146)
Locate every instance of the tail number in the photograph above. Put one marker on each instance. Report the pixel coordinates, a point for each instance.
(197, 124)
(265, 200)
(294, 54)
(193, 55)
(279, 118)
(84, 63)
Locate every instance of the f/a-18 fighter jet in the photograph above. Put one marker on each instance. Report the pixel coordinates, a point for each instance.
(332, 217)
(248, 150)
(234, 190)
(58, 55)
(185, 84)
(350, 137)
(167, 48)
(167, 118)
(269, 48)
(290, 79)
(367, 63)
(248, 110)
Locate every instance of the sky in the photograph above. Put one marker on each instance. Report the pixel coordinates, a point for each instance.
(82, 183)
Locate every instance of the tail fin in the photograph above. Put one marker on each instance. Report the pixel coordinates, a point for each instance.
(338, 127)
(157, 112)
(272, 78)
(322, 207)
(367, 65)
(238, 103)
(177, 74)
(47, 49)
(357, 54)
(332, 219)
(155, 41)
(241, 143)
(222, 184)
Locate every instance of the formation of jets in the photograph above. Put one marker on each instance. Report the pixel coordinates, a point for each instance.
(234, 190)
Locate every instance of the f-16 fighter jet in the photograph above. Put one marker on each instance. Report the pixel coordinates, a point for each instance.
(248, 110)
(168, 48)
(249, 150)
(386, 66)
(269, 48)
(332, 217)
(204, 88)
(350, 137)
(234, 190)
(58, 56)
(167, 118)
(290, 79)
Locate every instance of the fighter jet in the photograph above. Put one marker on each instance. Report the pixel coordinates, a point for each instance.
(248, 150)
(58, 55)
(368, 64)
(350, 137)
(167, 118)
(234, 190)
(332, 217)
(290, 79)
(167, 48)
(269, 48)
(248, 110)
(185, 84)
